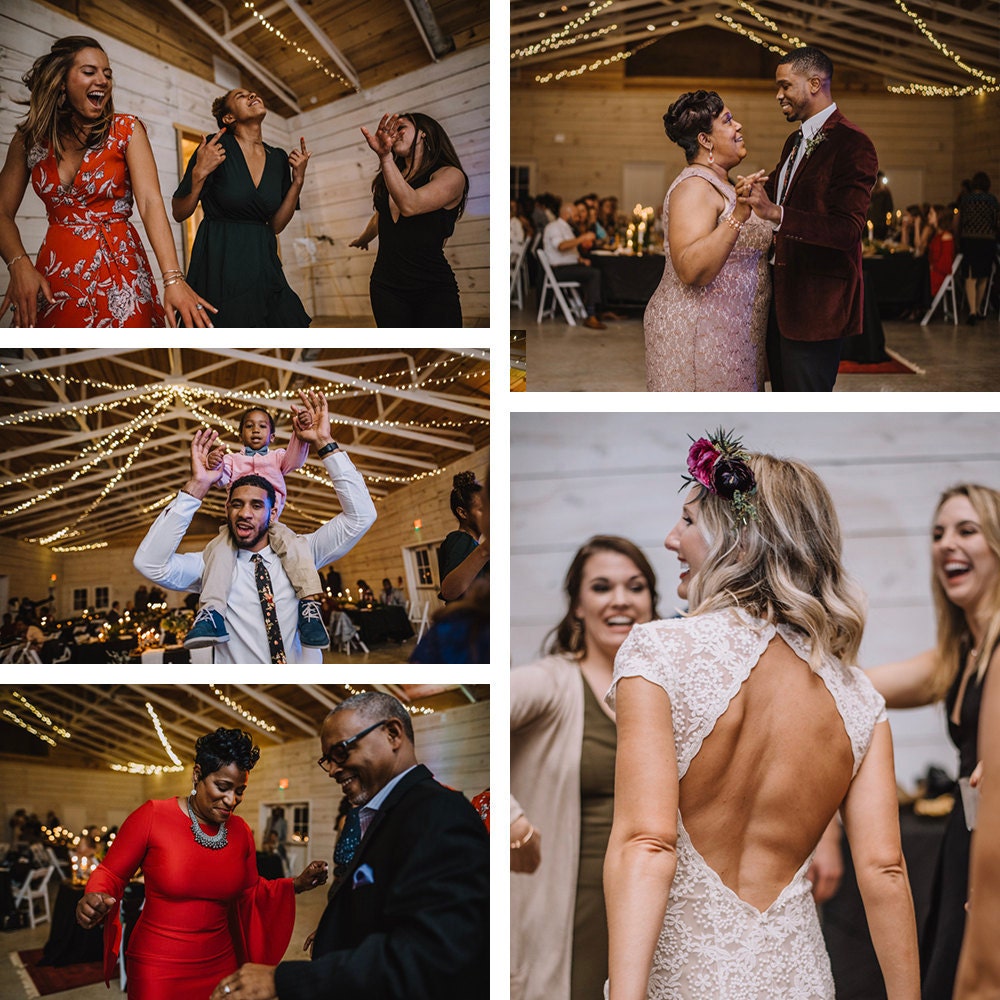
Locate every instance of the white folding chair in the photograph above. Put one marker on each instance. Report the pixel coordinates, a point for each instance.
(565, 294)
(518, 275)
(35, 888)
(947, 288)
(57, 864)
(424, 617)
(989, 285)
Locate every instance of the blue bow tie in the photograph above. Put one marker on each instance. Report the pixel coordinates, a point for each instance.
(255, 451)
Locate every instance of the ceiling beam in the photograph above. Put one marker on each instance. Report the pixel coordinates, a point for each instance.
(323, 39)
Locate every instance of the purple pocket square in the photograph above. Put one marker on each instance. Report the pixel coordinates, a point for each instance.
(363, 876)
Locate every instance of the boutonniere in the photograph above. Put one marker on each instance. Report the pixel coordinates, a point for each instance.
(812, 143)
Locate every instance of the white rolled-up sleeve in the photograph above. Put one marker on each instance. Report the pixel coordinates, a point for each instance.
(157, 557)
(341, 533)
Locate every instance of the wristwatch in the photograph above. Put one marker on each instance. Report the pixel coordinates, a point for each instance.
(327, 449)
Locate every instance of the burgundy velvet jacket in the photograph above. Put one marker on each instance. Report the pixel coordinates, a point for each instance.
(817, 250)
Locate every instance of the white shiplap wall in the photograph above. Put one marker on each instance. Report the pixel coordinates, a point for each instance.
(336, 199)
(579, 474)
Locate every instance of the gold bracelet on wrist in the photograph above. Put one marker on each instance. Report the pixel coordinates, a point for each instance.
(14, 260)
(172, 281)
(516, 845)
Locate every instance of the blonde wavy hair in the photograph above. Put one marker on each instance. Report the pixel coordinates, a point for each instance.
(785, 565)
(954, 640)
(50, 118)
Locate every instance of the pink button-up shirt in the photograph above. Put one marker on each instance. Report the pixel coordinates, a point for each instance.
(273, 467)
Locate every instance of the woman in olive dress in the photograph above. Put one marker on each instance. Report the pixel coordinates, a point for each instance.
(249, 195)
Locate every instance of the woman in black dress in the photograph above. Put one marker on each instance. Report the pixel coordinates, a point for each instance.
(965, 552)
(419, 193)
(464, 555)
(249, 196)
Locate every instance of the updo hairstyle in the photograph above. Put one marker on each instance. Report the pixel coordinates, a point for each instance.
(225, 746)
(690, 115)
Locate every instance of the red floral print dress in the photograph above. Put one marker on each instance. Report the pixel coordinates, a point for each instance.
(92, 255)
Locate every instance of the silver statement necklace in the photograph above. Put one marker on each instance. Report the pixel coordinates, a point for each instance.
(214, 842)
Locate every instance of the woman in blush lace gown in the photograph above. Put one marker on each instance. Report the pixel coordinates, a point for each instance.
(705, 324)
(743, 729)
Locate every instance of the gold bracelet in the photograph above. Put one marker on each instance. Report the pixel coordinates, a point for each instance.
(516, 845)
(733, 224)
(14, 260)
(172, 281)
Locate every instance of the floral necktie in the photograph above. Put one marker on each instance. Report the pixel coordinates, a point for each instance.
(791, 166)
(266, 595)
(347, 842)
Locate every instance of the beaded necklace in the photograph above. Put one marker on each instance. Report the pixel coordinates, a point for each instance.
(214, 842)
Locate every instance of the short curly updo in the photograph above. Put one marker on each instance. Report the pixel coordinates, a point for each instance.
(225, 746)
(690, 115)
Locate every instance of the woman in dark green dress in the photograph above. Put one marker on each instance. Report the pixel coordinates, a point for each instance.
(249, 195)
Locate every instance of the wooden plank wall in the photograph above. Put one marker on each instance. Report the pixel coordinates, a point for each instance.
(454, 745)
(605, 126)
(580, 474)
(337, 198)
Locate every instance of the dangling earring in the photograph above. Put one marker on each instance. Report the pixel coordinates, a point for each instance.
(711, 154)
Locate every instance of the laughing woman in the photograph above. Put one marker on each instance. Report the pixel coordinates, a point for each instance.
(249, 195)
(419, 193)
(88, 165)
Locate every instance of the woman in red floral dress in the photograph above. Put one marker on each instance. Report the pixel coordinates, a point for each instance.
(89, 166)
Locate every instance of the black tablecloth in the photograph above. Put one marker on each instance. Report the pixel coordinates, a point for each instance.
(99, 652)
(855, 967)
(69, 943)
(381, 623)
(899, 281)
(869, 348)
(6, 892)
(629, 282)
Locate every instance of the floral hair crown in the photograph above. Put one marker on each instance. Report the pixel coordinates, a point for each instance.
(719, 464)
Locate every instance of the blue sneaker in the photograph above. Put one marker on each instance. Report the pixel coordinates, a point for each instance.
(208, 629)
(312, 632)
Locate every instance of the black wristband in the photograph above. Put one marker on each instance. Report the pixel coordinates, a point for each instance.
(326, 449)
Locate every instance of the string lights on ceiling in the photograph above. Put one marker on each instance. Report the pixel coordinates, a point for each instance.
(239, 709)
(411, 709)
(17, 720)
(559, 36)
(599, 63)
(163, 737)
(41, 716)
(300, 49)
(134, 767)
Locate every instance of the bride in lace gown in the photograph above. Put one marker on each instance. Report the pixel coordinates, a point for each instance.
(743, 729)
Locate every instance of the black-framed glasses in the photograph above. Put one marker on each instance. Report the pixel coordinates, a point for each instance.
(339, 752)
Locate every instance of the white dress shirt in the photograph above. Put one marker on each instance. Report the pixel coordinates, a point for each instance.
(158, 560)
(555, 233)
(809, 128)
(373, 805)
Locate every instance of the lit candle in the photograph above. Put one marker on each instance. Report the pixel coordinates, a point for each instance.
(871, 228)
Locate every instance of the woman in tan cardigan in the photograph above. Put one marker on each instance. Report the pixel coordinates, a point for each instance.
(562, 751)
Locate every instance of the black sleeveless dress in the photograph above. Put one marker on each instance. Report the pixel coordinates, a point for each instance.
(941, 940)
(412, 283)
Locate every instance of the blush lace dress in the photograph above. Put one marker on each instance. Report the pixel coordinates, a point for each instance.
(714, 944)
(711, 339)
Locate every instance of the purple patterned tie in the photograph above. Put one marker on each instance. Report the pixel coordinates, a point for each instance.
(267, 607)
(791, 166)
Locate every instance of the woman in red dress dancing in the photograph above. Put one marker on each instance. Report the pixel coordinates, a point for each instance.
(88, 165)
(200, 868)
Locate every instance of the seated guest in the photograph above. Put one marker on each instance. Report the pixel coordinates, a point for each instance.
(940, 244)
(517, 234)
(390, 595)
(913, 233)
(562, 246)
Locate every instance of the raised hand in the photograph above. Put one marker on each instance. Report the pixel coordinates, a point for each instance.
(210, 154)
(312, 419)
(203, 477)
(385, 135)
(298, 160)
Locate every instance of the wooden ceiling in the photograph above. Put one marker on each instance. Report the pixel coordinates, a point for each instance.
(96, 440)
(110, 724)
(876, 37)
(349, 46)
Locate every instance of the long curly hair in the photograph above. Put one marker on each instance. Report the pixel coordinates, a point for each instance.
(225, 746)
(954, 641)
(50, 118)
(784, 566)
(438, 152)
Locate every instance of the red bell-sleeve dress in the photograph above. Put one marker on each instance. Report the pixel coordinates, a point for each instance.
(205, 912)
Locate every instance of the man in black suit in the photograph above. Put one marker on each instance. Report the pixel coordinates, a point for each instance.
(408, 914)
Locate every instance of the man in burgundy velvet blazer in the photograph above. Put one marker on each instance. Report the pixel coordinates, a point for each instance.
(819, 212)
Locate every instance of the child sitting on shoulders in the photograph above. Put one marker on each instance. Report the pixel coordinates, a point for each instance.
(258, 458)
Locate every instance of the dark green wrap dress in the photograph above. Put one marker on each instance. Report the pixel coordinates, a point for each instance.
(234, 260)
